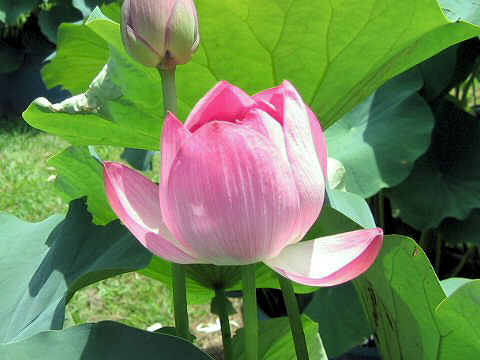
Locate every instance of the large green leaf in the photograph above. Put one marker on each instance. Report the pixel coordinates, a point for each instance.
(460, 312)
(122, 106)
(445, 182)
(105, 340)
(379, 141)
(43, 264)
(81, 174)
(81, 55)
(103, 115)
(324, 47)
(257, 44)
(401, 294)
(276, 342)
(340, 317)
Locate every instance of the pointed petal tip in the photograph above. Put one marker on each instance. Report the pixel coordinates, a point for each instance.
(224, 102)
(172, 119)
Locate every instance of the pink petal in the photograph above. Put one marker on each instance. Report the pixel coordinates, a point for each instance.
(134, 198)
(263, 123)
(148, 19)
(275, 97)
(319, 141)
(224, 102)
(302, 155)
(329, 260)
(174, 135)
(230, 195)
(267, 95)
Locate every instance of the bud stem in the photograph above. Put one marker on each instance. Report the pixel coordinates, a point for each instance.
(224, 323)
(250, 312)
(179, 287)
(169, 90)
(296, 325)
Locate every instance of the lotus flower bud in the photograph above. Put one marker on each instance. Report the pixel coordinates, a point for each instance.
(160, 33)
(243, 180)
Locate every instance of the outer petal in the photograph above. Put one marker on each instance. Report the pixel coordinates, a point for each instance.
(182, 31)
(230, 195)
(306, 167)
(330, 260)
(149, 20)
(275, 97)
(139, 49)
(173, 136)
(224, 102)
(319, 140)
(134, 198)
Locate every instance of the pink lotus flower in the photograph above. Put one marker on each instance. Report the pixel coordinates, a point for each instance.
(242, 182)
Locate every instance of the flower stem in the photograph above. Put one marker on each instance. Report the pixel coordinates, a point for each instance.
(169, 91)
(178, 272)
(180, 301)
(470, 252)
(425, 239)
(250, 312)
(224, 323)
(381, 209)
(438, 255)
(296, 325)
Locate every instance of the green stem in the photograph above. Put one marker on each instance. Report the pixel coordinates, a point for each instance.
(466, 88)
(178, 272)
(224, 323)
(296, 325)
(180, 301)
(425, 239)
(169, 89)
(470, 252)
(438, 255)
(250, 312)
(381, 209)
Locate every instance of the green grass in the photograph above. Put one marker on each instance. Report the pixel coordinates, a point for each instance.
(27, 191)
(26, 181)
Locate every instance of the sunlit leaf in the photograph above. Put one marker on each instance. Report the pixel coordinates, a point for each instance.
(81, 174)
(258, 44)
